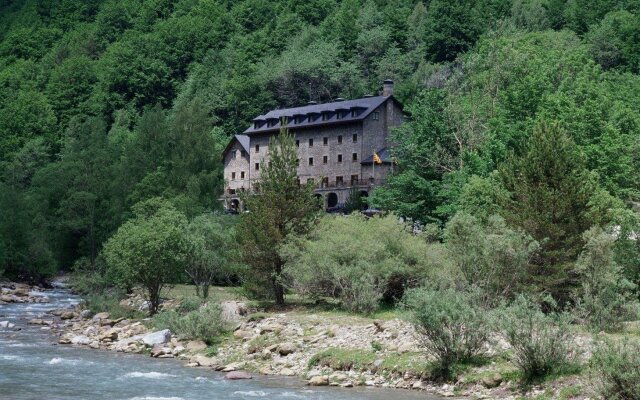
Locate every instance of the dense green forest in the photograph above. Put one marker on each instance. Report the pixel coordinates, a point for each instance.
(523, 108)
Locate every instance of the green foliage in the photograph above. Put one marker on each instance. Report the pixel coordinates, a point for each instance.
(213, 251)
(109, 301)
(550, 198)
(279, 207)
(204, 323)
(149, 250)
(541, 342)
(490, 256)
(453, 326)
(606, 298)
(360, 260)
(104, 104)
(616, 370)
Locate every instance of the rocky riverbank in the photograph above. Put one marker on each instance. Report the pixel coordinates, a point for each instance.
(336, 350)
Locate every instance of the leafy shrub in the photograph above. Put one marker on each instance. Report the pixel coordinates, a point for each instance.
(453, 327)
(541, 342)
(205, 323)
(490, 256)
(616, 370)
(188, 304)
(360, 261)
(606, 298)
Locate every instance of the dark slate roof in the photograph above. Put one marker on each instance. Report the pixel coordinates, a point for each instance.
(242, 139)
(384, 154)
(363, 107)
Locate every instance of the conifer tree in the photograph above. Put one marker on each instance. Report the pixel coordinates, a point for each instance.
(277, 206)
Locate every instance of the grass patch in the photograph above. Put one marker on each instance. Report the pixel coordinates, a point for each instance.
(365, 360)
(221, 293)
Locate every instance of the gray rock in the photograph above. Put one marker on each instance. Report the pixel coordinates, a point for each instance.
(81, 339)
(158, 337)
(286, 348)
(86, 314)
(233, 375)
(319, 381)
(6, 324)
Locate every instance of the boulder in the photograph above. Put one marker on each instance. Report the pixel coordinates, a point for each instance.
(86, 314)
(319, 381)
(287, 372)
(81, 340)
(6, 324)
(158, 337)
(493, 381)
(233, 310)
(204, 361)
(196, 345)
(286, 348)
(67, 315)
(241, 334)
(110, 334)
(101, 315)
(64, 340)
(233, 375)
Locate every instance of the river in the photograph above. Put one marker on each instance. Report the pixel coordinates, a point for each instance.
(34, 367)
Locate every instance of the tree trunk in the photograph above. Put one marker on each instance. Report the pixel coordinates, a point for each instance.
(277, 286)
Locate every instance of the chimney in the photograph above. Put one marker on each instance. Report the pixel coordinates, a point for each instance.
(387, 87)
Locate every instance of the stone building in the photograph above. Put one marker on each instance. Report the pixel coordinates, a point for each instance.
(336, 145)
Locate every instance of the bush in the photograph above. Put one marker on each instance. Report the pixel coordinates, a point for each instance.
(541, 342)
(361, 261)
(453, 326)
(490, 255)
(205, 323)
(616, 370)
(606, 298)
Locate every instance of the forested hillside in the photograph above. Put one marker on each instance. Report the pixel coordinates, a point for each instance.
(525, 108)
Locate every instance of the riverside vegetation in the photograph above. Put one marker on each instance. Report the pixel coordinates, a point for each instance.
(508, 257)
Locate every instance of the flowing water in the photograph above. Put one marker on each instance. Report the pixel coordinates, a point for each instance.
(34, 367)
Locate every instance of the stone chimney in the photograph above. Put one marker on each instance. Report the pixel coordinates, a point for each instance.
(387, 87)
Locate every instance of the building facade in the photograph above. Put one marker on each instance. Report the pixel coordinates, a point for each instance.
(336, 145)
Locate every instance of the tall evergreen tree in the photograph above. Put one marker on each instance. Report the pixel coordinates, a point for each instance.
(278, 206)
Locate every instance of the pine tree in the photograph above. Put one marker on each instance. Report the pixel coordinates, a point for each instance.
(278, 206)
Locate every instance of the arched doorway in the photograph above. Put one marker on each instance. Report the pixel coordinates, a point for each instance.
(332, 200)
(364, 193)
(235, 205)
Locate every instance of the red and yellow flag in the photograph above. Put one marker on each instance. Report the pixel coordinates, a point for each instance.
(376, 158)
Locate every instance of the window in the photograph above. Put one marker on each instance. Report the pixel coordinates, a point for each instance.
(376, 116)
(354, 113)
(340, 139)
(257, 166)
(325, 141)
(354, 157)
(339, 157)
(242, 175)
(257, 148)
(243, 153)
(338, 115)
(354, 180)
(325, 159)
(310, 160)
(297, 143)
(233, 175)
(339, 181)
(325, 116)
(310, 142)
(234, 154)
(355, 138)
(325, 182)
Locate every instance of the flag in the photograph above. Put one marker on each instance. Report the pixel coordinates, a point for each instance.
(376, 158)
